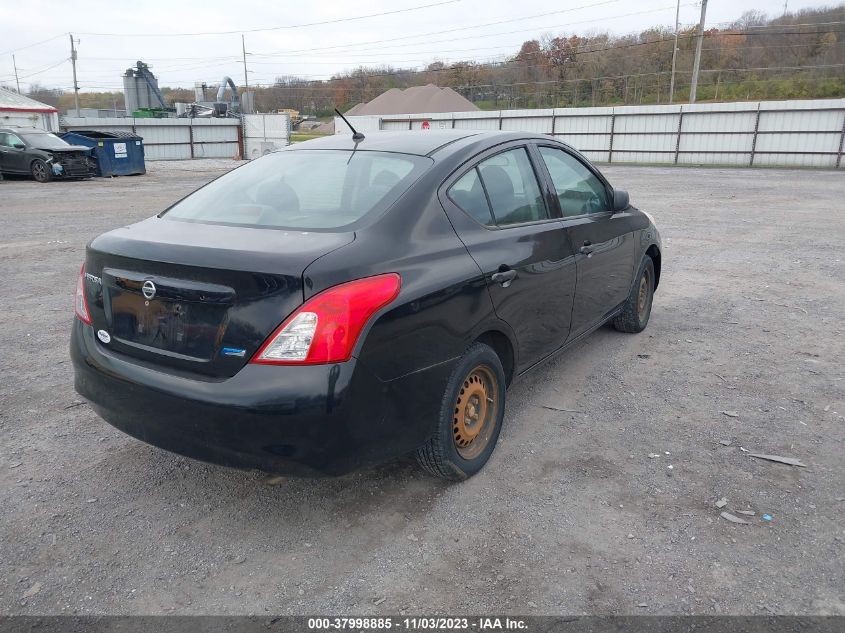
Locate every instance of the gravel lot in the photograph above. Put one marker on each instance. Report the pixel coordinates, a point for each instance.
(601, 497)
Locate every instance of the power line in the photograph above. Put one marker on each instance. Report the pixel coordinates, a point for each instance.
(21, 48)
(526, 83)
(492, 62)
(477, 26)
(585, 51)
(441, 32)
(292, 52)
(546, 14)
(308, 88)
(334, 58)
(43, 70)
(604, 2)
(541, 52)
(779, 26)
(278, 28)
(503, 85)
(488, 59)
(158, 59)
(577, 51)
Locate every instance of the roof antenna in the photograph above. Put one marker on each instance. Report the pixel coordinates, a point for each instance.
(356, 136)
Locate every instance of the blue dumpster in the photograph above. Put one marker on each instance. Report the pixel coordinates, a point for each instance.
(116, 153)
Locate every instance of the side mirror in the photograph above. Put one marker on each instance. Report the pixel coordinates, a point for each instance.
(19, 146)
(620, 200)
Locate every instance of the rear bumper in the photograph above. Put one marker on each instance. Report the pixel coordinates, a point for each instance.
(310, 420)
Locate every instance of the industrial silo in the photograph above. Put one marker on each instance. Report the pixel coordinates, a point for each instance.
(140, 89)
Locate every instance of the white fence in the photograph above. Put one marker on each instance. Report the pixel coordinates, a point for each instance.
(766, 133)
(171, 139)
(264, 133)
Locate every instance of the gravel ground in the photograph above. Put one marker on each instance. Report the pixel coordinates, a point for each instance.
(601, 497)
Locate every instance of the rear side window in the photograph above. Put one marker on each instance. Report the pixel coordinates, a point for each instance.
(512, 188)
(303, 189)
(384, 173)
(468, 194)
(506, 182)
(577, 188)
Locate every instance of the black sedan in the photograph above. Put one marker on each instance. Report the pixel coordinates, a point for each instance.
(340, 303)
(42, 155)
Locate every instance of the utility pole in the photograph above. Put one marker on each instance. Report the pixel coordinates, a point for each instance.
(674, 52)
(243, 48)
(243, 141)
(17, 83)
(697, 62)
(73, 63)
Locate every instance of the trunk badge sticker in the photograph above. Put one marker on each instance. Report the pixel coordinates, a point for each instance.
(233, 351)
(104, 336)
(148, 289)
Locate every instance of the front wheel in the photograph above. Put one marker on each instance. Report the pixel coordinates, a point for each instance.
(637, 310)
(470, 417)
(41, 171)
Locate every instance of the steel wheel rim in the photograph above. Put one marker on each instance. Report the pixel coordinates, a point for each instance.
(40, 171)
(475, 412)
(643, 295)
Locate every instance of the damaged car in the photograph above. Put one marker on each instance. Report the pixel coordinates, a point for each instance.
(42, 155)
(349, 300)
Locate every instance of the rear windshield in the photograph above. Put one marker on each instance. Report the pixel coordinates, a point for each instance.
(303, 189)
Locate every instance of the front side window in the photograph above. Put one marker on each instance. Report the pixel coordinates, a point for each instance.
(512, 188)
(303, 189)
(7, 139)
(577, 188)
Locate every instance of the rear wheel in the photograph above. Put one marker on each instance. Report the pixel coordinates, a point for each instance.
(634, 316)
(470, 417)
(41, 171)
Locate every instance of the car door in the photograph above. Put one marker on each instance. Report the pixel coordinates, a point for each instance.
(603, 241)
(12, 159)
(502, 212)
(5, 153)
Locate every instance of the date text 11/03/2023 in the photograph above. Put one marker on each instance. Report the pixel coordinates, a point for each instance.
(418, 623)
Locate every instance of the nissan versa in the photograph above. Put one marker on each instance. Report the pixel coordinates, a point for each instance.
(349, 300)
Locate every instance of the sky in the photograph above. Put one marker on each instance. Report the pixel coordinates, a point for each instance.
(187, 42)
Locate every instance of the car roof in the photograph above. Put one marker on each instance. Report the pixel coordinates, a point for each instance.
(419, 142)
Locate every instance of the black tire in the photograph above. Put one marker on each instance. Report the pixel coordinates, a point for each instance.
(41, 171)
(634, 316)
(441, 455)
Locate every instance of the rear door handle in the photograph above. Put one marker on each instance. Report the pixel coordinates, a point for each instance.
(587, 248)
(504, 277)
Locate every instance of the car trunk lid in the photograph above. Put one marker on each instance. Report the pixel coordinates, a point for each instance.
(197, 298)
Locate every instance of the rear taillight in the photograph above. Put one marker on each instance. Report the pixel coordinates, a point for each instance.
(327, 326)
(80, 303)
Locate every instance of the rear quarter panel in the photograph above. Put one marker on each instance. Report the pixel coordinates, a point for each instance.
(443, 304)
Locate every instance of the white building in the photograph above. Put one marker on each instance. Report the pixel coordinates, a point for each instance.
(16, 109)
